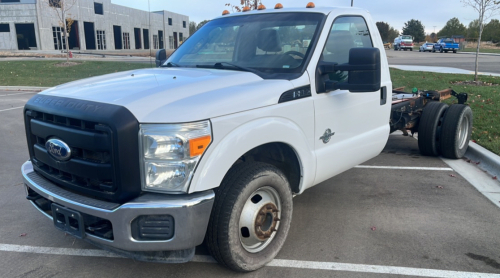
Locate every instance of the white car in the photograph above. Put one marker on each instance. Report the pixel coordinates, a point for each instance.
(428, 46)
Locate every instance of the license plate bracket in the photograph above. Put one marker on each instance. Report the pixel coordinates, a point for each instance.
(68, 220)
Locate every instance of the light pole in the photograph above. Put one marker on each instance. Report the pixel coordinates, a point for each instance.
(352, 2)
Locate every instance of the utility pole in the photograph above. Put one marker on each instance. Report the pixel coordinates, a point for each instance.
(352, 2)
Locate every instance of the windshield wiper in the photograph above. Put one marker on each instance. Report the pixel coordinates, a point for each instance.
(220, 65)
(170, 65)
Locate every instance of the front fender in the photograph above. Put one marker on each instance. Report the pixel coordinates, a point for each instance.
(224, 151)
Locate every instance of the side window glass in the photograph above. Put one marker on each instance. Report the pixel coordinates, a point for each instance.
(346, 33)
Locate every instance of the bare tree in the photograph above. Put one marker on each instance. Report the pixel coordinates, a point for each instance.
(486, 9)
(252, 4)
(61, 8)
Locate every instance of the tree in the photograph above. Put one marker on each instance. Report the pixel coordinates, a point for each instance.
(414, 28)
(473, 29)
(433, 37)
(201, 24)
(252, 4)
(393, 33)
(453, 27)
(192, 27)
(383, 29)
(61, 8)
(492, 31)
(485, 9)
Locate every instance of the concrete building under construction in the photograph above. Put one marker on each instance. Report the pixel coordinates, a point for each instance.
(98, 25)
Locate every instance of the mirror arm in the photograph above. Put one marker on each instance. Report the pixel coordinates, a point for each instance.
(348, 67)
(333, 67)
(327, 68)
(331, 85)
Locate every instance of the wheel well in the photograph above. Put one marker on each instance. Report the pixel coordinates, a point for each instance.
(281, 156)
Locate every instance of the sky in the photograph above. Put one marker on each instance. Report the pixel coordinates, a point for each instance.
(432, 13)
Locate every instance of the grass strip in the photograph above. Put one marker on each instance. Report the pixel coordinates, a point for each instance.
(46, 74)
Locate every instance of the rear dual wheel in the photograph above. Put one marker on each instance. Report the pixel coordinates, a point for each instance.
(429, 128)
(251, 216)
(445, 130)
(456, 131)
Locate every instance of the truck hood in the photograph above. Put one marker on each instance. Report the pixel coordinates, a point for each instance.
(174, 95)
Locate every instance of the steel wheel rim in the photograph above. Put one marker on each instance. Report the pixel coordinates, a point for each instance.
(266, 201)
(463, 131)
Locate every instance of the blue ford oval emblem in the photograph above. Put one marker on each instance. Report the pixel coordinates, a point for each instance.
(58, 149)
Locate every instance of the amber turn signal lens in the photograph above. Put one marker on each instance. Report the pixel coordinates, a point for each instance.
(198, 146)
(246, 9)
(225, 12)
(310, 5)
(278, 6)
(261, 7)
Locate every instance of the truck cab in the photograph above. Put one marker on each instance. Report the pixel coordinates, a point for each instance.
(253, 108)
(403, 42)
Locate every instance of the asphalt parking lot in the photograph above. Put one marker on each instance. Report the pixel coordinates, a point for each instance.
(378, 220)
(487, 63)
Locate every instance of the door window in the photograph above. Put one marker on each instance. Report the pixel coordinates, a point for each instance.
(346, 33)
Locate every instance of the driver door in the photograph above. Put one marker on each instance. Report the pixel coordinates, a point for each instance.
(350, 128)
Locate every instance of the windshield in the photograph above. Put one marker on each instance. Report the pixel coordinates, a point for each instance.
(449, 41)
(270, 45)
(406, 37)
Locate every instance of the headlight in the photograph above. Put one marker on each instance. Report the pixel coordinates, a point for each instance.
(170, 153)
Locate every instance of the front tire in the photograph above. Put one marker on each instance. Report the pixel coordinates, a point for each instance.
(251, 216)
(456, 131)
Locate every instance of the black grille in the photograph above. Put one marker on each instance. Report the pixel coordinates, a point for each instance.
(45, 126)
(103, 139)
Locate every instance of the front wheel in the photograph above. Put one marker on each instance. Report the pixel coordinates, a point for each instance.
(251, 216)
(454, 51)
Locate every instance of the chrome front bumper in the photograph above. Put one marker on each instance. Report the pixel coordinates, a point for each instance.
(190, 212)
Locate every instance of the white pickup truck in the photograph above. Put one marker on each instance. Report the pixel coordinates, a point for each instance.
(252, 109)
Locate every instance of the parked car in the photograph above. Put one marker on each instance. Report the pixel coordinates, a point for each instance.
(446, 45)
(428, 46)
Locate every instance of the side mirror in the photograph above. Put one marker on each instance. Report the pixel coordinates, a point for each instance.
(364, 72)
(161, 57)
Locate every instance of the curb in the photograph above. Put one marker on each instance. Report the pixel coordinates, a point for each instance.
(23, 88)
(480, 53)
(490, 162)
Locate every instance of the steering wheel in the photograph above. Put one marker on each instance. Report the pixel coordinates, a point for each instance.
(293, 52)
